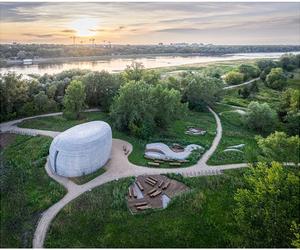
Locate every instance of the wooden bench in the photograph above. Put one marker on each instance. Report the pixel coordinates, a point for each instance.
(150, 183)
(160, 184)
(139, 185)
(152, 178)
(129, 192)
(143, 207)
(134, 193)
(174, 163)
(155, 193)
(156, 164)
(166, 185)
(158, 161)
(151, 191)
(140, 204)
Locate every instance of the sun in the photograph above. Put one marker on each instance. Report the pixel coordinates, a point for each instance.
(84, 26)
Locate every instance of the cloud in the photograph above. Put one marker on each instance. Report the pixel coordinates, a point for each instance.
(68, 31)
(38, 36)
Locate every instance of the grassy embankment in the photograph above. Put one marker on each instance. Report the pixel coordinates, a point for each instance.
(202, 217)
(26, 189)
(234, 130)
(174, 134)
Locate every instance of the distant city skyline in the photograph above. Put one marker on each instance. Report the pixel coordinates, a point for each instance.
(150, 23)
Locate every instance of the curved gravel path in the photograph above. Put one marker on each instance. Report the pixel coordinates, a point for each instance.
(118, 167)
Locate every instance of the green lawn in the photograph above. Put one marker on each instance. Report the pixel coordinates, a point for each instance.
(26, 189)
(202, 217)
(234, 133)
(173, 134)
(86, 178)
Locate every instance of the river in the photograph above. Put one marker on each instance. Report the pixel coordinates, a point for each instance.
(119, 64)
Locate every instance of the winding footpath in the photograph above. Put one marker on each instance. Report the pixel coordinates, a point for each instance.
(242, 84)
(117, 167)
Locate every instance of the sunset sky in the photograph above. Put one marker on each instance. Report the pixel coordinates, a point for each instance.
(151, 23)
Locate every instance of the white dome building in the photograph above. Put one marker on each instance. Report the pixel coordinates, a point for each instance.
(81, 149)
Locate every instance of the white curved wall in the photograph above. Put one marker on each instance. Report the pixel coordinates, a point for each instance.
(81, 150)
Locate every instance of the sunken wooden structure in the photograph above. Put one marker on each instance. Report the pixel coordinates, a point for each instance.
(148, 190)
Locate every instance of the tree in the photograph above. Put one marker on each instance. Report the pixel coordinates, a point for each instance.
(279, 147)
(133, 72)
(249, 71)
(100, 88)
(202, 91)
(289, 110)
(13, 94)
(260, 117)
(263, 64)
(276, 79)
(234, 78)
(74, 99)
(288, 62)
(140, 108)
(267, 206)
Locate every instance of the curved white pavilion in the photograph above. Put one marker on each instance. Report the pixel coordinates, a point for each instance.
(81, 149)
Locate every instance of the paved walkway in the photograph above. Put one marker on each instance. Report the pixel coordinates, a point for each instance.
(242, 84)
(118, 167)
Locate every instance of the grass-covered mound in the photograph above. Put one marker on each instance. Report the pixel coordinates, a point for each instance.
(202, 217)
(26, 189)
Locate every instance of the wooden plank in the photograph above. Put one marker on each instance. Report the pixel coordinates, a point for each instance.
(155, 193)
(152, 178)
(152, 191)
(134, 193)
(143, 207)
(160, 184)
(156, 164)
(174, 163)
(166, 185)
(140, 204)
(140, 185)
(150, 183)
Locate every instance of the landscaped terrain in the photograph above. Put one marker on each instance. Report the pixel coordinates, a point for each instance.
(191, 220)
(173, 134)
(145, 106)
(26, 189)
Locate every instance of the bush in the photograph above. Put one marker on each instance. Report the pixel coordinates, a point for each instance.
(234, 78)
(276, 79)
(260, 117)
(249, 71)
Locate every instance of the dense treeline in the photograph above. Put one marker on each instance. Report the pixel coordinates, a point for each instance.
(21, 51)
(139, 101)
